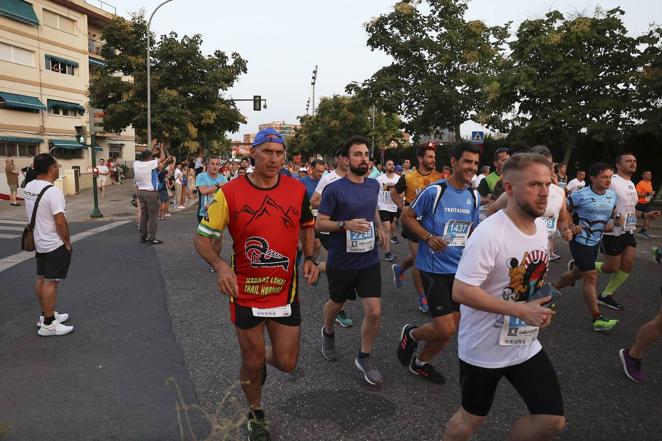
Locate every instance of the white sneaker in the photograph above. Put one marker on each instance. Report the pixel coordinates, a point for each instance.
(181, 206)
(55, 328)
(59, 317)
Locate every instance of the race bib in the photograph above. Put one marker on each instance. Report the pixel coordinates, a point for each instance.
(515, 332)
(386, 197)
(458, 232)
(279, 311)
(361, 242)
(630, 221)
(551, 225)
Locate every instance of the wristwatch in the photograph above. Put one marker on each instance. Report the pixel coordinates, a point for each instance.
(428, 238)
(341, 225)
(312, 259)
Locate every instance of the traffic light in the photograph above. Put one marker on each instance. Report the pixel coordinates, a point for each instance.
(80, 134)
(257, 103)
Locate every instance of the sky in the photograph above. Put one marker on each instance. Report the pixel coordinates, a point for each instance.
(283, 40)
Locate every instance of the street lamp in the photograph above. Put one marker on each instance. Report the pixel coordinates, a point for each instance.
(149, 88)
(313, 81)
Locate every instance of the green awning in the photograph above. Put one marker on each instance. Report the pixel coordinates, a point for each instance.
(98, 149)
(66, 144)
(15, 101)
(20, 11)
(66, 105)
(95, 62)
(61, 60)
(16, 139)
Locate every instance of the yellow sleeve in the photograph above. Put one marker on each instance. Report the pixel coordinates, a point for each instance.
(216, 220)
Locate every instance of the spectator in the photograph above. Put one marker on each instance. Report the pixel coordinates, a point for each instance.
(147, 183)
(12, 180)
(102, 176)
(179, 183)
(52, 242)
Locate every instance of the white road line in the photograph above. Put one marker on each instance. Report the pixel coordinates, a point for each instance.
(21, 257)
(14, 222)
(9, 236)
(6, 228)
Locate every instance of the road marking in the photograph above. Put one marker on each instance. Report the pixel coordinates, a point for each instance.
(21, 257)
(14, 222)
(6, 228)
(9, 236)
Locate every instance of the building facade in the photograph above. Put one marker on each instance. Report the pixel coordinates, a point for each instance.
(284, 128)
(48, 51)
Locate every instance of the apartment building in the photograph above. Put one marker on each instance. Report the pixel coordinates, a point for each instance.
(48, 50)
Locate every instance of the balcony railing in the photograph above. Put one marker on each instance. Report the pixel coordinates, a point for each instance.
(102, 5)
(94, 46)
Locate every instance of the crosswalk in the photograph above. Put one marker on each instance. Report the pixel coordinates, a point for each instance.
(11, 229)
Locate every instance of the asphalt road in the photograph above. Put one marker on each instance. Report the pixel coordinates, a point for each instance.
(147, 313)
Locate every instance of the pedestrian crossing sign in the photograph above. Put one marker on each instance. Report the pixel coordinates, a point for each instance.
(477, 137)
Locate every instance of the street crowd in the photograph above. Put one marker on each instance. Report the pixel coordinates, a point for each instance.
(479, 242)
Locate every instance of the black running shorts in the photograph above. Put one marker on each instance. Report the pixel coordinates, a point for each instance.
(243, 318)
(53, 265)
(584, 256)
(386, 216)
(346, 284)
(438, 290)
(615, 245)
(645, 208)
(535, 380)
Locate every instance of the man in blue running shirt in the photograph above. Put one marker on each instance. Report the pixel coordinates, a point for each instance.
(593, 210)
(441, 217)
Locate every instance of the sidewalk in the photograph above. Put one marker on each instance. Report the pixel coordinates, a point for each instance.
(116, 205)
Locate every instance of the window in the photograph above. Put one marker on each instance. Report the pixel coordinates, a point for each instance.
(115, 151)
(16, 55)
(58, 21)
(61, 111)
(11, 149)
(68, 154)
(60, 66)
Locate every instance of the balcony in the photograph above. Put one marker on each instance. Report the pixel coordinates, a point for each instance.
(103, 6)
(94, 46)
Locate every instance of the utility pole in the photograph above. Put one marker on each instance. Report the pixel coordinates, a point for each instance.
(372, 133)
(96, 213)
(313, 81)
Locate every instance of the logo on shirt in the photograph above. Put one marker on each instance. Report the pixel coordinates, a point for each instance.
(270, 208)
(260, 255)
(526, 276)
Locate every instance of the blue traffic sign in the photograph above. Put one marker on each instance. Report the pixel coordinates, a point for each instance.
(477, 137)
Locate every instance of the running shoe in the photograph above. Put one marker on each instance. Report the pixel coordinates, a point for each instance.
(609, 302)
(645, 234)
(423, 303)
(398, 276)
(257, 426)
(571, 265)
(59, 317)
(370, 372)
(395, 240)
(553, 256)
(602, 324)
(328, 346)
(390, 257)
(427, 371)
(657, 254)
(343, 319)
(631, 366)
(407, 347)
(55, 328)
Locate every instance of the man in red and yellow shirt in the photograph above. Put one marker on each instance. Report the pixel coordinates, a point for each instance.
(265, 213)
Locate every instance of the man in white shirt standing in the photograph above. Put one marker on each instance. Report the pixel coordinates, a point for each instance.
(102, 177)
(578, 183)
(146, 180)
(52, 242)
(498, 280)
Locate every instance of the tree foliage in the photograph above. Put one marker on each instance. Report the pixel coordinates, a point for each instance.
(568, 77)
(188, 109)
(339, 117)
(440, 63)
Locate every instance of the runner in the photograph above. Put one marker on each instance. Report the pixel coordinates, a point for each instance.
(486, 187)
(349, 212)
(593, 207)
(619, 245)
(499, 276)
(208, 183)
(411, 184)
(338, 173)
(646, 335)
(442, 217)
(645, 193)
(262, 283)
(577, 183)
(386, 206)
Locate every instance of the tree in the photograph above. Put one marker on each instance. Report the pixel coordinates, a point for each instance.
(188, 110)
(650, 84)
(440, 63)
(567, 78)
(339, 117)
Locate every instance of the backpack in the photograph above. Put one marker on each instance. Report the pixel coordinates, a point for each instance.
(443, 187)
